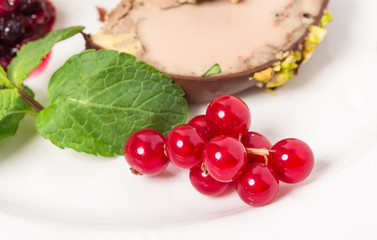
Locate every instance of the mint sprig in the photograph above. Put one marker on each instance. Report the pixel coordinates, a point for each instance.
(97, 98)
(16, 99)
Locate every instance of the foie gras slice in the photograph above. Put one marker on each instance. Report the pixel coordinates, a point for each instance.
(217, 47)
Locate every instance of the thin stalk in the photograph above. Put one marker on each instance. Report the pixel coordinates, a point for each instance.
(31, 101)
(258, 151)
(261, 152)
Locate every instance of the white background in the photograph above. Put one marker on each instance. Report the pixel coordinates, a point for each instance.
(49, 193)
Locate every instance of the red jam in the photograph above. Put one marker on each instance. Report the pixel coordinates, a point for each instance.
(22, 21)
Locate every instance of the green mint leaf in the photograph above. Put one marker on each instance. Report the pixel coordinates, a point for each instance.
(31, 54)
(99, 98)
(8, 99)
(4, 80)
(215, 69)
(9, 124)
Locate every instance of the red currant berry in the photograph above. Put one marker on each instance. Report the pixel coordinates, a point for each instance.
(144, 151)
(228, 115)
(184, 146)
(205, 183)
(255, 140)
(257, 186)
(224, 158)
(200, 123)
(292, 160)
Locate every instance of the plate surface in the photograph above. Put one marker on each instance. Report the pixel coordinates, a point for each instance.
(48, 192)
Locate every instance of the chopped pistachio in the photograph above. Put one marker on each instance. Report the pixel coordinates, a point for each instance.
(326, 18)
(289, 62)
(307, 56)
(297, 55)
(317, 34)
(289, 65)
(291, 58)
(309, 48)
(215, 69)
(280, 79)
(286, 54)
(285, 65)
(276, 66)
(264, 75)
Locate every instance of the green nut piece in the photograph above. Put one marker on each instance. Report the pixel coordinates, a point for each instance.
(264, 75)
(286, 65)
(290, 61)
(309, 48)
(326, 19)
(316, 35)
(297, 55)
(276, 66)
(280, 79)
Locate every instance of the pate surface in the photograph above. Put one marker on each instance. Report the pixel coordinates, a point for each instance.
(187, 39)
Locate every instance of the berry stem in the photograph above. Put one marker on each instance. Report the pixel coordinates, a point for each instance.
(261, 152)
(133, 171)
(204, 169)
(258, 151)
(31, 101)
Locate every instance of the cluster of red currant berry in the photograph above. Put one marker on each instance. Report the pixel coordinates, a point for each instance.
(218, 149)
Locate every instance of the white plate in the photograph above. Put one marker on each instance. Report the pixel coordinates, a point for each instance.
(49, 193)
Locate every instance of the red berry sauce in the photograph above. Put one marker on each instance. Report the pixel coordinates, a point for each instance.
(22, 21)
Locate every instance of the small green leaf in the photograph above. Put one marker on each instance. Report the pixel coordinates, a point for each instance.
(31, 54)
(9, 124)
(99, 98)
(3, 79)
(215, 69)
(8, 99)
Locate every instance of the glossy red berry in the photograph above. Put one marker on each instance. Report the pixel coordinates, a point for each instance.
(228, 115)
(144, 152)
(257, 186)
(224, 158)
(205, 183)
(255, 140)
(184, 146)
(200, 123)
(292, 160)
